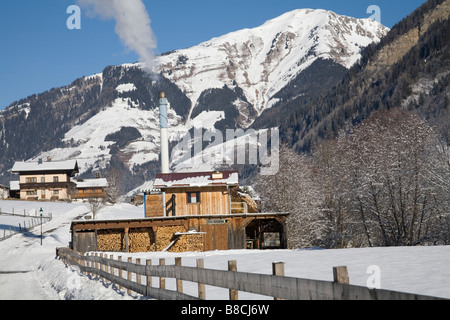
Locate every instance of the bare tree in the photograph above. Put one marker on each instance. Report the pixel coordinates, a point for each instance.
(390, 182)
(114, 189)
(95, 205)
(296, 189)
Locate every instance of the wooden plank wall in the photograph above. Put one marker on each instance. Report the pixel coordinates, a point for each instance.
(154, 205)
(213, 200)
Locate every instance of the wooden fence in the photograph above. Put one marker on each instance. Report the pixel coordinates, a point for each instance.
(29, 222)
(275, 285)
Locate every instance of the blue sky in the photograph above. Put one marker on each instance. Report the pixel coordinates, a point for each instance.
(38, 52)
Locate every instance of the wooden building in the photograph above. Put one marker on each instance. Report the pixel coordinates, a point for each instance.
(49, 180)
(198, 211)
(191, 194)
(90, 188)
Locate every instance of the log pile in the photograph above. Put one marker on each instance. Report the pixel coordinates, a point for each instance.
(141, 240)
(164, 236)
(110, 240)
(188, 243)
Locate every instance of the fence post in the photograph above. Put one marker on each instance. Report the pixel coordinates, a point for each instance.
(179, 281)
(340, 275)
(162, 280)
(278, 270)
(130, 259)
(201, 286)
(111, 269)
(232, 266)
(102, 266)
(138, 275)
(149, 277)
(95, 262)
(119, 258)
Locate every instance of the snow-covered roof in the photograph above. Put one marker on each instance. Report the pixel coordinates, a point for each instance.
(14, 185)
(68, 165)
(196, 179)
(91, 183)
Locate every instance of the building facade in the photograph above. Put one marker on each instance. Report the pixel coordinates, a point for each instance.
(91, 188)
(50, 180)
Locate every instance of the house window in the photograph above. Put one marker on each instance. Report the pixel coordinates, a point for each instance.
(55, 179)
(32, 193)
(43, 180)
(31, 180)
(193, 197)
(56, 192)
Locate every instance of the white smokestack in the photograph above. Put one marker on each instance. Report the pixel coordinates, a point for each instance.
(164, 124)
(132, 25)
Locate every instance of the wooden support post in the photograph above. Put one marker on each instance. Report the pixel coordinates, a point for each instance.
(130, 260)
(162, 280)
(155, 229)
(201, 286)
(340, 275)
(149, 278)
(278, 270)
(138, 275)
(232, 266)
(179, 281)
(127, 240)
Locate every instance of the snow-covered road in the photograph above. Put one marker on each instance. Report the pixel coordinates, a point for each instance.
(22, 254)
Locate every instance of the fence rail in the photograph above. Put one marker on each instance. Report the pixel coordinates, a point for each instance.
(29, 223)
(276, 285)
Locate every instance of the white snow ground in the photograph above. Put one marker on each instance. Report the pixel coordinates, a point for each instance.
(29, 271)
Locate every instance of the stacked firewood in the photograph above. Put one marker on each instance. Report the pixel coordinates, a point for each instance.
(110, 240)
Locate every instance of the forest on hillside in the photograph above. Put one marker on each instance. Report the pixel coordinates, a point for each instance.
(419, 82)
(385, 183)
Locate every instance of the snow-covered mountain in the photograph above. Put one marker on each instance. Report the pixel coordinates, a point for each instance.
(261, 61)
(227, 81)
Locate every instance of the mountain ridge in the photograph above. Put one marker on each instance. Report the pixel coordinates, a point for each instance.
(194, 80)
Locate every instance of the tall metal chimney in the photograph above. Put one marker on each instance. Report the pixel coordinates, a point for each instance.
(163, 122)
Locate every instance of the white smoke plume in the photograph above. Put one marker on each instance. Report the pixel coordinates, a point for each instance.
(132, 25)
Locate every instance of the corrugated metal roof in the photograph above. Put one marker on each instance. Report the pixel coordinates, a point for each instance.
(196, 179)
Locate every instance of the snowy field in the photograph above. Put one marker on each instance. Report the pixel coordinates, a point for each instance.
(30, 271)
